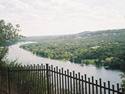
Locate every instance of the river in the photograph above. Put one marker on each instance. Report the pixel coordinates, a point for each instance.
(26, 57)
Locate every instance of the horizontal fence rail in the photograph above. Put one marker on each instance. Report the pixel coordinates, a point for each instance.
(45, 79)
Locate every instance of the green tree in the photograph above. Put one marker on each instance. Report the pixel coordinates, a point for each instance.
(9, 34)
(123, 79)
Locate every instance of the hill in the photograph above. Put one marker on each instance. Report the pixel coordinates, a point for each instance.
(105, 47)
(86, 34)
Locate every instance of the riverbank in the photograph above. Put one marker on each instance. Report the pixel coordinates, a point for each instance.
(26, 57)
(110, 56)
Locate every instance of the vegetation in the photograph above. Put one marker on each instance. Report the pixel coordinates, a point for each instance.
(123, 79)
(9, 34)
(104, 48)
(22, 82)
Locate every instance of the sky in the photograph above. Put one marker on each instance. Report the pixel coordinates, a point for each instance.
(56, 17)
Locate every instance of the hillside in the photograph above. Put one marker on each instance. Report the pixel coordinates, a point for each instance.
(100, 47)
(86, 34)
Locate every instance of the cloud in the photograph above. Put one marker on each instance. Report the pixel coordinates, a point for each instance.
(63, 16)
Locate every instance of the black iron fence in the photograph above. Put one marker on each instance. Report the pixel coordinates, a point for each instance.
(45, 79)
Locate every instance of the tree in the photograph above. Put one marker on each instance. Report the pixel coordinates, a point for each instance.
(9, 34)
(123, 79)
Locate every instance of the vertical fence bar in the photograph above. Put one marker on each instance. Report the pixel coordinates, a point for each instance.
(74, 82)
(93, 85)
(39, 72)
(45, 81)
(55, 80)
(71, 82)
(34, 75)
(17, 79)
(1, 79)
(89, 88)
(41, 77)
(52, 80)
(113, 90)
(28, 70)
(39, 81)
(76, 85)
(100, 83)
(10, 79)
(31, 77)
(35, 78)
(68, 80)
(47, 76)
(85, 84)
(108, 87)
(96, 86)
(38, 88)
(118, 88)
(20, 82)
(8, 69)
(65, 84)
(104, 87)
(79, 83)
(62, 82)
(82, 86)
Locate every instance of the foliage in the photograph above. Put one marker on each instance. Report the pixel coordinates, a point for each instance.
(101, 48)
(123, 79)
(8, 35)
(21, 81)
(104, 47)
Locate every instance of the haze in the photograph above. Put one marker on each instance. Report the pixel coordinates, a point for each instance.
(56, 17)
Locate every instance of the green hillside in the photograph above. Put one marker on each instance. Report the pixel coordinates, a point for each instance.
(100, 47)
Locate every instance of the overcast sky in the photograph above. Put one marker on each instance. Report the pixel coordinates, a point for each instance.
(52, 17)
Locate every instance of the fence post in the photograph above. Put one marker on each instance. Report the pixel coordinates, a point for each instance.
(8, 78)
(47, 76)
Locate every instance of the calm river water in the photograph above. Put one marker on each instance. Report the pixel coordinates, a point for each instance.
(26, 57)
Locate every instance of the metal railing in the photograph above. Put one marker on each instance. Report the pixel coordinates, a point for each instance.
(45, 79)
